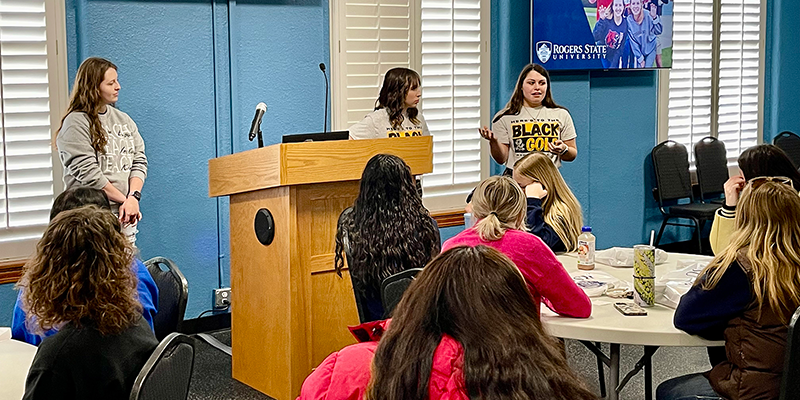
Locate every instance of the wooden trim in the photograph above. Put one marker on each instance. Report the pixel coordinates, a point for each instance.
(446, 219)
(11, 271)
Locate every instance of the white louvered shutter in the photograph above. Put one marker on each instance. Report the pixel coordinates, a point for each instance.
(451, 98)
(26, 175)
(738, 110)
(690, 79)
(375, 37)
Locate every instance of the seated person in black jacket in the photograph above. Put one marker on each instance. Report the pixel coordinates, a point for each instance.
(80, 281)
(554, 213)
(387, 231)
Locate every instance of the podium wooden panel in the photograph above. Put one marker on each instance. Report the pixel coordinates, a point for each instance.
(289, 308)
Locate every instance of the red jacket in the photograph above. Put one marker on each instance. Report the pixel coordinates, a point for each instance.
(346, 373)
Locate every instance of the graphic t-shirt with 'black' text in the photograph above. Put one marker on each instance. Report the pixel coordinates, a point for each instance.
(534, 130)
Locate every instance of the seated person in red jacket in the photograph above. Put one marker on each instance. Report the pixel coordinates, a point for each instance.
(80, 282)
(554, 213)
(499, 205)
(466, 326)
(746, 295)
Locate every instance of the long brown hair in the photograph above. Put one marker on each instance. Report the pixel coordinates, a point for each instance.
(561, 208)
(518, 98)
(396, 84)
(768, 235)
(499, 204)
(81, 272)
(478, 297)
(86, 98)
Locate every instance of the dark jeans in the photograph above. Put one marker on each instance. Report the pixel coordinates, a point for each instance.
(687, 387)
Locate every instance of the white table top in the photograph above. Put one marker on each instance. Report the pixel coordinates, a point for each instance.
(15, 360)
(608, 325)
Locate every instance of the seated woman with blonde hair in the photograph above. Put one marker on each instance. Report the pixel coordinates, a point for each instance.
(554, 213)
(80, 282)
(466, 328)
(746, 295)
(499, 205)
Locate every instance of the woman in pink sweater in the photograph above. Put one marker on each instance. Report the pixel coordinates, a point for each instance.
(499, 204)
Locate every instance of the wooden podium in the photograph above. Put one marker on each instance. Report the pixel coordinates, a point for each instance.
(289, 308)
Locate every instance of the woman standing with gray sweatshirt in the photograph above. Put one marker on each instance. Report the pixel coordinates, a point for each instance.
(100, 146)
(643, 30)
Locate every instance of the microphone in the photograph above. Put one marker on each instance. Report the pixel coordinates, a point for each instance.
(325, 120)
(255, 127)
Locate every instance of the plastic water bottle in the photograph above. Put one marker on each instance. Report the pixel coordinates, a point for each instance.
(586, 249)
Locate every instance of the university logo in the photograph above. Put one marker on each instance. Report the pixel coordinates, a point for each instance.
(543, 50)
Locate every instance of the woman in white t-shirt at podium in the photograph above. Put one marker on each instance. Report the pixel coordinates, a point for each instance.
(396, 113)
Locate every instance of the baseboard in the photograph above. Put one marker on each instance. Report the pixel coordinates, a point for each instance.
(209, 323)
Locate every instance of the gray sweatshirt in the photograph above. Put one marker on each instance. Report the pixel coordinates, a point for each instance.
(122, 160)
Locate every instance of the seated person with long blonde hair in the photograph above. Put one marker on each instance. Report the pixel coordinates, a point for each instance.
(554, 213)
(499, 205)
(467, 327)
(80, 281)
(746, 295)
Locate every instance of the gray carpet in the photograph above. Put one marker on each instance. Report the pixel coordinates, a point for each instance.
(211, 378)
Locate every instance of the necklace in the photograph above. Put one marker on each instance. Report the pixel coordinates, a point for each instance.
(536, 118)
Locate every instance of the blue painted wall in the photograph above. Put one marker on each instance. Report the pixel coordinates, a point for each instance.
(782, 82)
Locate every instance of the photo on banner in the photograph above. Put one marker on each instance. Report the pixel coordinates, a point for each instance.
(602, 34)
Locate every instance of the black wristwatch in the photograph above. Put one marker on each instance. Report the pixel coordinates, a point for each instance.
(137, 195)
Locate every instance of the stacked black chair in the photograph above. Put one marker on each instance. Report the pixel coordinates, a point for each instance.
(673, 181)
(711, 161)
(790, 144)
(168, 371)
(393, 287)
(173, 292)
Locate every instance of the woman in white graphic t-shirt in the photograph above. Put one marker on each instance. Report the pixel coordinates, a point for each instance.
(531, 122)
(396, 113)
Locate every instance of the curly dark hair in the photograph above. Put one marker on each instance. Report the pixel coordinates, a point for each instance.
(478, 297)
(388, 230)
(81, 272)
(396, 84)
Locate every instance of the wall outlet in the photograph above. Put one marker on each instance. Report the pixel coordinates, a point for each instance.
(222, 298)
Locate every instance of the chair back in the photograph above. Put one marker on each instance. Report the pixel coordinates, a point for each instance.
(790, 382)
(168, 371)
(712, 166)
(173, 292)
(348, 255)
(393, 287)
(790, 144)
(671, 164)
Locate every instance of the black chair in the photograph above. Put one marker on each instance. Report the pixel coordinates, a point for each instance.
(173, 292)
(168, 371)
(790, 144)
(790, 382)
(393, 287)
(348, 255)
(712, 168)
(671, 164)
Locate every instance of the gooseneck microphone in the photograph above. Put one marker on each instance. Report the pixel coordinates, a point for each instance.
(255, 127)
(325, 121)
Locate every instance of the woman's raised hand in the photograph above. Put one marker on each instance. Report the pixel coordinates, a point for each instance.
(486, 133)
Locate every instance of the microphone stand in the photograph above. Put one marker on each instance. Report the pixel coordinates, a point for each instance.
(325, 120)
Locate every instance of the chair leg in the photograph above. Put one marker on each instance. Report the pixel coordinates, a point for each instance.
(661, 231)
(697, 232)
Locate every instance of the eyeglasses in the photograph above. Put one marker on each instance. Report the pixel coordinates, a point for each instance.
(756, 182)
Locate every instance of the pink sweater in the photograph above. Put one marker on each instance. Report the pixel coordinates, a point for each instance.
(547, 279)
